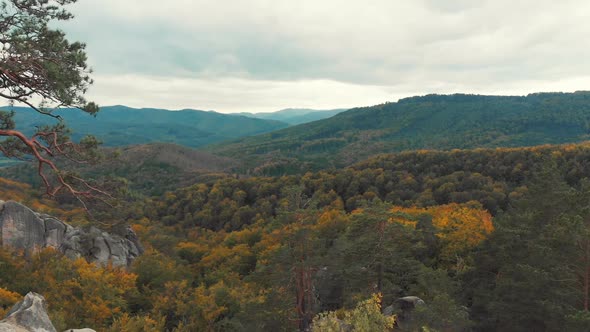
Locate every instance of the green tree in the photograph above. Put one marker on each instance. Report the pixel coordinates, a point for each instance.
(532, 273)
(295, 265)
(375, 255)
(40, 68)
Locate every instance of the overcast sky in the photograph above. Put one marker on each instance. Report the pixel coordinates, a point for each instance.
(265, 55)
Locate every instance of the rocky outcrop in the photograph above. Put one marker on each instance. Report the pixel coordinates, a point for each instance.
(21, 228)
(403, 305)
(403, 309)
(409, 302)
(30, 314)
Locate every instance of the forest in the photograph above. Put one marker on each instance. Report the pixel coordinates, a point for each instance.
(121, 125)
(463, 230)
(442, 122)
(434, 213)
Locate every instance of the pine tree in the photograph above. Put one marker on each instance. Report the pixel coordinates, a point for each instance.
(40, 68)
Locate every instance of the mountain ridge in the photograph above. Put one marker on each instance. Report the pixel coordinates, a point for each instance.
(439, 122)
(122, 125)
(148, 168)
(295, 116)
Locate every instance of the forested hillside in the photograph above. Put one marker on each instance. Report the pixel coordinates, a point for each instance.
(493, 177)
(415, 223)
(120, 125)
(295, 116)
(470, 232)
(147, 169)
(488, 239)
(429, 122)
(434, 213)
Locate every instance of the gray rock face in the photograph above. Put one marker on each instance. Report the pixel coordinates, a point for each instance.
(403, 304)
(21, 228)
(28, 315)
(410, 302)
(403, 308)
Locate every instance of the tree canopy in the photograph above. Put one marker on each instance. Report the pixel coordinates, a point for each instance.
(40, 68)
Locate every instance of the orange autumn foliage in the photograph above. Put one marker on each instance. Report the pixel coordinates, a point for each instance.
(460, 226)
(23, 193)
(79, 293)
(7, 300)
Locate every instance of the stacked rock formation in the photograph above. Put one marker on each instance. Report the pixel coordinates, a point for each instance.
(21, 228)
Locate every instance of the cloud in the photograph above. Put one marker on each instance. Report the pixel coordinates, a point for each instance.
(231, 95)
(376, 45)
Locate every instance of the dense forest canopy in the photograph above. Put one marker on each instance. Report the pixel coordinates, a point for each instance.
(434, 213)
(429, 122)
(492, 177)
(464, 230)
(122, 126)
(147, 169)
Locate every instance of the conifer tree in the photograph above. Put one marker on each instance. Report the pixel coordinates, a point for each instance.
(41, 69)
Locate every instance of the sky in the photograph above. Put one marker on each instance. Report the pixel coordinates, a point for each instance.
(266, 55)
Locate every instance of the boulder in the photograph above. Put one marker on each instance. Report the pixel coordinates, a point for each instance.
(403, 305)
(23, 229)
(389, 310)
(30, 314)
(403, 308)
(20, 227)
(409, 302)
(55, 232)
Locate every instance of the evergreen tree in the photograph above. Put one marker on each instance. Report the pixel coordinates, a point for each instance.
(38, 63)
(531, 273)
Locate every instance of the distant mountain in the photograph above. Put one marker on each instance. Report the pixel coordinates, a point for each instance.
(120, 125)
(295, 116)
(150, 169)
(428, 122)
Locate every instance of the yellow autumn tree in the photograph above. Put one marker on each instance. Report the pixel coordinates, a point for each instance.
(7, 300)
(79, 293)
(366, 316)
(460, 227)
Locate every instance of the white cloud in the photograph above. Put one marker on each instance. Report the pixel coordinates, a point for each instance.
(284, 52)
(231, 95)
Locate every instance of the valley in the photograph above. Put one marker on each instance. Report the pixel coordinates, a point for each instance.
(448, 217)
(294, 166)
